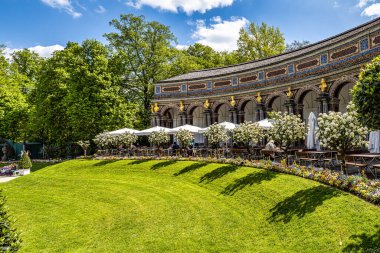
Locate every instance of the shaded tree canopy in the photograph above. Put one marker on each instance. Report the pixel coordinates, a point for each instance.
(258, 42)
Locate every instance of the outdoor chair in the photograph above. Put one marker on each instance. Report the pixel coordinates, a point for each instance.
(376, 167)
(330, 161)
(269, 155)
(302, 157)
(352, 162)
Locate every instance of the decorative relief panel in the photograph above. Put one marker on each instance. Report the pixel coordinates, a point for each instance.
(342, 53)
(197, 86)
(275, 73)
(222, 83)
(171, 89)
(247, 79)
(308, 64)
(375, 40)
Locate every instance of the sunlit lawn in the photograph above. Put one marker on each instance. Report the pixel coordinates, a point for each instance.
(169, 206)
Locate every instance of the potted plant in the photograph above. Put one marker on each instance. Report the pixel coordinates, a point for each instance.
(24, 164)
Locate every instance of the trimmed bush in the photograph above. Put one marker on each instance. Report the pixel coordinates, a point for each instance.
(24, 162)
(366, 94)
(9, 237)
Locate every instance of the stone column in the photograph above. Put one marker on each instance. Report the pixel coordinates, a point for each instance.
(240, 116)
(290, 106)
(324, 101)
(155, 119)
(189, 119)
(334, 104)
(261, 112)
(233, 115)
(299, 110)
(215, 118)
(182, 118)
(207, 114)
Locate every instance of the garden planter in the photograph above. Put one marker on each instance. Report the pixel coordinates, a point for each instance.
(24, 172)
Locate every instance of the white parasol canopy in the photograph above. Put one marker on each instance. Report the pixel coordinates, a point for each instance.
(227, 125)
(374, 142)
(123, 131)
(192, 129)
(265, 123)
(153, 129)
(312, 123)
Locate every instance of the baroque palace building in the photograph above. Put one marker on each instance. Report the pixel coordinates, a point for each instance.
(316, 78)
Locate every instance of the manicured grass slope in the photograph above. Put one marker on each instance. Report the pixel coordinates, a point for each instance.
(158, 206)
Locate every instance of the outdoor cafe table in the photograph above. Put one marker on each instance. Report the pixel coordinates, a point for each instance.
(367, 158)
(320, 155)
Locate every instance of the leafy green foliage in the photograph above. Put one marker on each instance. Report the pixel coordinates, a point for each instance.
(248, 133)
(366, 95)
(141, 50)
(24, 162)
(10, 240)
(259, 42)
(184, 137)
(78, 97)
(158, 138)
(216, 134)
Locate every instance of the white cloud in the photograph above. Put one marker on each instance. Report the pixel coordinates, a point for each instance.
(363, 3)
(188, 6)
(100, 9)
(63, 5)
(222, 35)
(41, 50)
(182, 47)
(372, 10)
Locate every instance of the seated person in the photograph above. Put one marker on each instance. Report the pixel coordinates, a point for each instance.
(271, 146)
(175, 146)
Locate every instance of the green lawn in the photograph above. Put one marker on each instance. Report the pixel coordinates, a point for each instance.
(169, 206)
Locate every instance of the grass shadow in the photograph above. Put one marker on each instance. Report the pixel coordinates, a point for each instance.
(248, 180)
(162, 164)
(190, 168)
(104, 162)
(301, 203)
(39, 166)
(136, 162)
(218, 173)
(364, 243)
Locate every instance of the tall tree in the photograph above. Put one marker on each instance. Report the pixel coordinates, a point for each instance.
(142, 50)
(258, 42)
(76, 97)
(296, 45)
(13, 105)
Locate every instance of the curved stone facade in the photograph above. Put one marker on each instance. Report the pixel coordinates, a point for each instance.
(316, 78)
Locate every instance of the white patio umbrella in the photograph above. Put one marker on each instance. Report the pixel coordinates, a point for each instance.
(228, 125)
(311, 142)
(374, 142)
(192, 129)
(123, 131)
(153, 129)
(265, 123)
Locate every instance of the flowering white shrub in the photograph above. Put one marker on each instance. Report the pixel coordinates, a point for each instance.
(184, 137)
(216, 134)
(158, 138)
(249, 133)
(127, 139)
(104, 140)
(287, 128)
(341, 131)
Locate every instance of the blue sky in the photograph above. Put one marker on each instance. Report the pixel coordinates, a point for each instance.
(47, 25)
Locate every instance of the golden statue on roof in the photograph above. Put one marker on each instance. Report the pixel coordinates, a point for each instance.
(206, 104)
(289, 93)
(232, 101)
(323, 85)
(156, 108)
(181, 106)
(259, 98)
